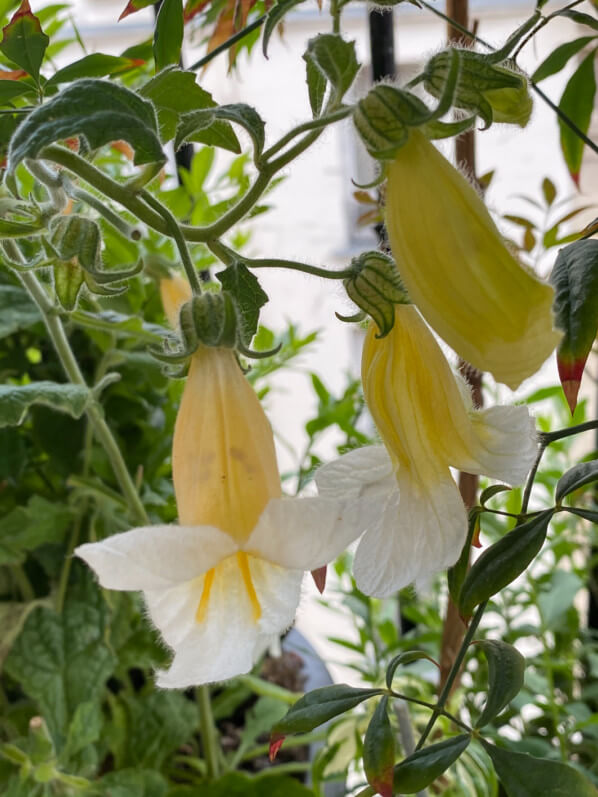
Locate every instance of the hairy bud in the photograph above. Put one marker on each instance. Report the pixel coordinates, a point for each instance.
(375, 287)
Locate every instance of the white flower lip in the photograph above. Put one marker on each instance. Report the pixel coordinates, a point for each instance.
(169, 564)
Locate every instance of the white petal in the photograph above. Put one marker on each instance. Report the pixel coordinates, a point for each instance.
(228, 640)
(351, 474)
(304, 533)
(507, 444)
(411, 537)
(156, 557)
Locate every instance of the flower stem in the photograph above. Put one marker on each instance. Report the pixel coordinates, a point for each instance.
(73, 372)
(209, 735)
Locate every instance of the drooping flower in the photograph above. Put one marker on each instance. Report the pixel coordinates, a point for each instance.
(412, 512)
(495, 313)
(225, 581)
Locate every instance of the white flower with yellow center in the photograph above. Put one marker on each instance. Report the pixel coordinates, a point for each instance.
(225, 581)
(411, 510)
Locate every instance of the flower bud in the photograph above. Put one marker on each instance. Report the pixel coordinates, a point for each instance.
(498, 92)
(375, 287)
(210, 319)
(383, 116)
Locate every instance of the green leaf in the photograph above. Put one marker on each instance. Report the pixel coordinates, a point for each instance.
(456, 573)
(379, 751)
(558, 59)
(15, 400)
(94, 65)
(549, 191)
(168, 35)
(422, 768)
(404, 658)
(27, 527)
(581, 474)
(320, 705)
(199, 125)
(235, 784)
(275, 15)
(17, 311)
(135, 5)
(522, 775)
(12, 617)
(129, 782)
(175, 92)
(557, 596)
(96, 109)
(62, 660)
(500, 564)
(577, 104)
(10, 90)
(335, 59)
(24, 42)
(587, 514)
(493, 490)
(506, 668)
(84, 729)
(580, 18)
(316, 86)
(575, 282)
(248, 295)
(68, 281)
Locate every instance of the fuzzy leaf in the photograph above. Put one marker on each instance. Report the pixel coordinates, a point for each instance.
(62, 660)
(523, 775)
(17, 311)
(500, 564)
(168, 36)
(316, 86)
(248, 295)
(335, 59)
(175, 92)
(577, 103)
(506, 668)
(575, 281)
(26, 527)
(15, 400)
(23, 41)
(581, 474)
(422, 768)
(196, 125)
(275, 16)
(96, 109)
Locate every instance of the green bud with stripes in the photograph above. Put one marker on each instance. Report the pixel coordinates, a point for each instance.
(375, 286)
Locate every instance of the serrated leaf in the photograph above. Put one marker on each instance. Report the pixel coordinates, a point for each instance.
(335, 59)
(316, 86)
(24, 42)
(559, 58)
(275, 15)
(195, 126)
(379, 751)
(61, 660)
(577, 104)
(17, 311)
(405, 658)
(15, 400)
(575, 282)
(500, 564)
(168, 34)
(94, 65)
(96, 109)
(175, 92)
(581, 474)
(422, 768)
(248, 295)
(506, 669)
(523, 775)
(320, 705)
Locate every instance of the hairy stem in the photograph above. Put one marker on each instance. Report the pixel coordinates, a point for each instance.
(209, 734)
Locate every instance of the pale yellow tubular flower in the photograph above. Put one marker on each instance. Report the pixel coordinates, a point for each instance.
(495, 313)
(226, 581)
(414, 517)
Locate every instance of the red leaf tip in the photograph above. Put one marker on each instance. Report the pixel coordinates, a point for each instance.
(570, 373)
(571, 389)
(319, 577)
(383, 786)
(276, 741)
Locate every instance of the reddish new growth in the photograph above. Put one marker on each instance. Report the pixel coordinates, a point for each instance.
(276, 741)
(570, 373)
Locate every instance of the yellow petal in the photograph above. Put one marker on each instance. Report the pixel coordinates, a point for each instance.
(223, 458)
(174, 291)
(492, 311)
